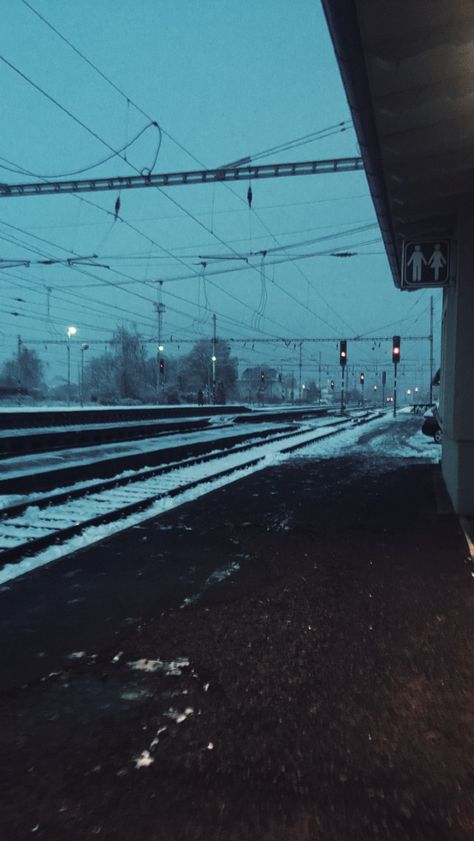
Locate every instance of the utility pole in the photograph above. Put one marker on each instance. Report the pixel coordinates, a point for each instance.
(71, 331)
(84, 347)
(431, 349)
(214, 358)
(300, 367)
(319, 377)
(18, 359)
(160, 380)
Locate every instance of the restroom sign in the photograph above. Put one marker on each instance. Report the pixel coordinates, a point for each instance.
(426, 263)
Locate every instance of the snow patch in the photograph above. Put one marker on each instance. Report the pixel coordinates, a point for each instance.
(177, 716)
(144, 760)
(170, 667)
(215, 578)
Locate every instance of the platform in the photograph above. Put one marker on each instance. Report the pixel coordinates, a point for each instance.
(289, 657)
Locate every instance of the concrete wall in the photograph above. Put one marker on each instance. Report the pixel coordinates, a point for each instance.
(457, 375)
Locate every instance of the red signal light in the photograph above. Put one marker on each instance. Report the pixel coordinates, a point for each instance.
(343, 352)
(396, 350)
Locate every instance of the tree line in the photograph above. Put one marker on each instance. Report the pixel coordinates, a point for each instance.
(131, 370)
(127, 373)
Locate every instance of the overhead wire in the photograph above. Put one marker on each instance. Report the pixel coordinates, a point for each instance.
(133, 280)
(118, 153)
(243, 268)
(109, 81)
(304, 140)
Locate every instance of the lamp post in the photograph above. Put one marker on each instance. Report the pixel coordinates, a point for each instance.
(84, 347)
(70, 331)
(160, 374)
(213, 384)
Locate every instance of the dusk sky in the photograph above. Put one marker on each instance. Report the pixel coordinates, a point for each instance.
(223, 79)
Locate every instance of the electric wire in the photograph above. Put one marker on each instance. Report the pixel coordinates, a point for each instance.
(131, 101)
(118, 153)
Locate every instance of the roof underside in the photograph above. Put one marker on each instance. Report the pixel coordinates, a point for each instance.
(408, 70)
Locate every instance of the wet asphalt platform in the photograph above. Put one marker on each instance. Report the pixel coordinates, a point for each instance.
(289, 657)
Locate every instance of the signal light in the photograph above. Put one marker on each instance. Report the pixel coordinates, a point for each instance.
(396, 350)
(162, 366)
(362, 379)
(262, 376)
(342, 352)
(331, 385)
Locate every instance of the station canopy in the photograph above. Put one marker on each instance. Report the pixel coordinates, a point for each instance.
(408, 70)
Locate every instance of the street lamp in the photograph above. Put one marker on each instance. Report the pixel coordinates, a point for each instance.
(213, 360)
(84, 347)
(70, 331)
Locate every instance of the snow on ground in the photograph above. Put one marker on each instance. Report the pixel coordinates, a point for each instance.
(168, 667)
(25, 465)
(214, 578)
(386, 443)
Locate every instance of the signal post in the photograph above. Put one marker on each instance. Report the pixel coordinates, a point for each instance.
(395, 360)
(343, 363)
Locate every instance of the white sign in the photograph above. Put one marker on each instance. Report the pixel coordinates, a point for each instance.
(426, 264)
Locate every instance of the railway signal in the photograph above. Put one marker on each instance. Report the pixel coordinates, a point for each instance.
(396, 350)
(395, 360)
(343, 363)
(343, 352)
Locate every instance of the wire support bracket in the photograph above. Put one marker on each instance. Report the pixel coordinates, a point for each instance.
(177, 179)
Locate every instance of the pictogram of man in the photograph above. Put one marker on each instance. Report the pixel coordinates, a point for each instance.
(417, 261)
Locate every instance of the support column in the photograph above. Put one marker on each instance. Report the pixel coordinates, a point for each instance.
(457, 376)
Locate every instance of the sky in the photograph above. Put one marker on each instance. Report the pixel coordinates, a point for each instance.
(222, 79)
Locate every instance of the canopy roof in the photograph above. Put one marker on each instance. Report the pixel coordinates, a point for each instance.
(408, 70)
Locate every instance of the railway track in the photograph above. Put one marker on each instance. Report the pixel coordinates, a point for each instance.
(50, 520)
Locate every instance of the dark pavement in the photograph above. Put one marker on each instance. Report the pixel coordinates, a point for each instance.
(321, 691)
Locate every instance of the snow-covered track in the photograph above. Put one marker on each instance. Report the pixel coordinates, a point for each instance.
(28, 528)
